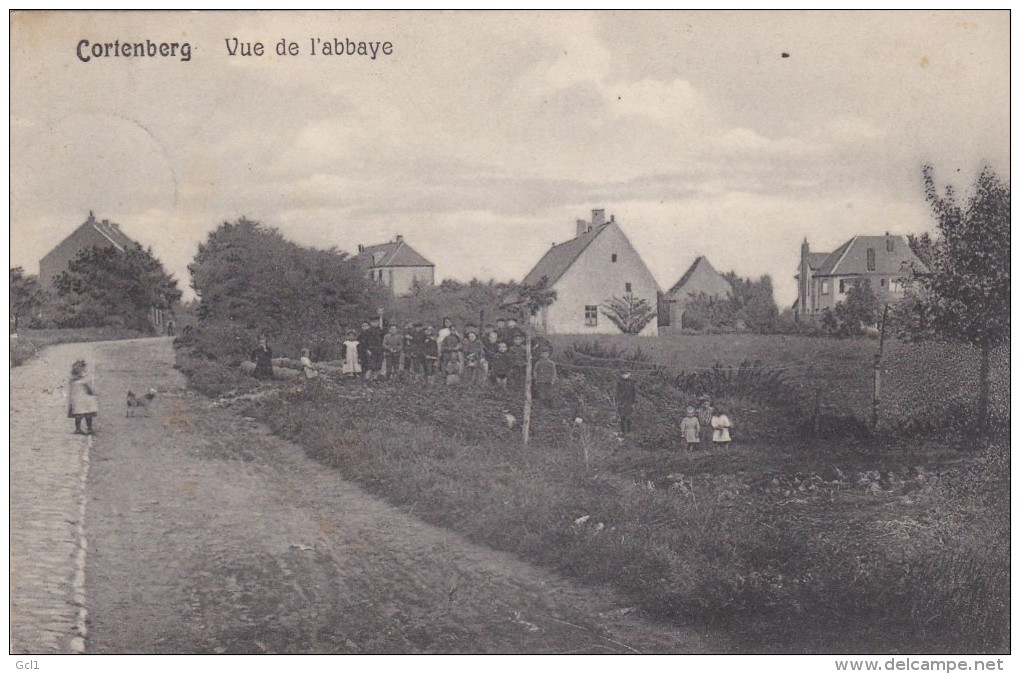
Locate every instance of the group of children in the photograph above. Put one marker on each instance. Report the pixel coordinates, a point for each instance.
(495, 354)
(707, 423)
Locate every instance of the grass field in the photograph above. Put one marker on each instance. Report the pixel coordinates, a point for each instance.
(793, 544)
(918, 380)
(28, 343)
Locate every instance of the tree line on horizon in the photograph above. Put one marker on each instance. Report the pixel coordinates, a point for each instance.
(250, 279)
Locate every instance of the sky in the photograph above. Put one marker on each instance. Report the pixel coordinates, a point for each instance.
(485, 135)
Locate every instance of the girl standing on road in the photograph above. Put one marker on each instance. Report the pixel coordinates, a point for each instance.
(82, 403)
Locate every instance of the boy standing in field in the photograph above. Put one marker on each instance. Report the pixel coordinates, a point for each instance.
(430, 354)
(705, 414)
(490, 345)
(500, 364)
(691, 429)
(393, 346)
(543, 377)
(626, 396)
(518, 359)
(472, 348)
(414, 350)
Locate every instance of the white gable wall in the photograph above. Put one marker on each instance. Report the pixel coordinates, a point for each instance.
(593, 279)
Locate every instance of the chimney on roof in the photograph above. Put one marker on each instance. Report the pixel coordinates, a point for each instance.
(106, 223)
(612, 218)
(598, 217)
(400, 238)
(361, 248)
(582, 226)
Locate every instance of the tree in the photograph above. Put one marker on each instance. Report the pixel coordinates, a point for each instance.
(529, 299)
(629, 313)
(966, 297)
(249, 276)
(107, 286)
(26, 295)
(859, 310)
(923, 247)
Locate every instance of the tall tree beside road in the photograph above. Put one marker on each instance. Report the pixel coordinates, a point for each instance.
(26, 296)
(248, 276)
(966, 298)
(104, 286)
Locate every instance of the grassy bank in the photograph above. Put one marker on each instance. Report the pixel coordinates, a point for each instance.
(28, 343)
(794, 546)
(921, 383)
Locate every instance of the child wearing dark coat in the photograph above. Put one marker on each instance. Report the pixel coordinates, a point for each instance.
(393, 347)
(543, 377)
(626, 396)
(518, 359)
(472, 349)
(500, 364)
(430, 353)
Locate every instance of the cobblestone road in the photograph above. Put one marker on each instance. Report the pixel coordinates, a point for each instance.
(48, 464)
(208, 534)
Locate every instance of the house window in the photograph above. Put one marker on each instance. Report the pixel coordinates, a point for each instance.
(842, 286)
(871, 259)
(896, 285)
(890, 245)
(627, 287)
(825, 287)
(882, 283)
(591, 315)
(614, 257)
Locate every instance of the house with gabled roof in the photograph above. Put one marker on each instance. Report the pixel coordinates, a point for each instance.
(396, 265)
(886, 262)
(91, 233)
(596, 265)
(700, 278)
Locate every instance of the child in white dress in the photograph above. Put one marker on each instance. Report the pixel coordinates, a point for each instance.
(721, 426)
(352, 360)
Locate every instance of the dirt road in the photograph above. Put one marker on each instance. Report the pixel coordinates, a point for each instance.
(207, 534)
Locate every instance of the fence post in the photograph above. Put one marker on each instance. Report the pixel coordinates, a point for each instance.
(526, 425)
(877, 385)
(818, 413)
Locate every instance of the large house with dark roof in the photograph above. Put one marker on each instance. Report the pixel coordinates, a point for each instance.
(396, 265)
(91, 233)
(823, 279)
(700, 278)
(595, 266)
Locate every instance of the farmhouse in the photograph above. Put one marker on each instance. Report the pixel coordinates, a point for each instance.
(823, 279)
(396, 265)
(91, 233)
(587, 271)
(700, 277)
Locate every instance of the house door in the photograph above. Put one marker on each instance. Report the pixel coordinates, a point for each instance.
(663, 308)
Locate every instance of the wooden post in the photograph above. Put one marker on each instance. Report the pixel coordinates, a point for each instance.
(877, 383)
(818, 412)
(526, 425)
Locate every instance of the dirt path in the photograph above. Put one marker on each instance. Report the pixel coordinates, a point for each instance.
(208, 534)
